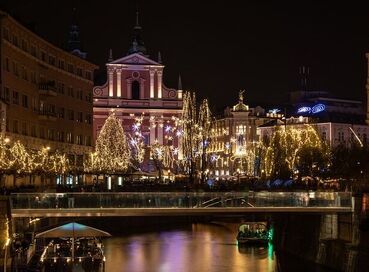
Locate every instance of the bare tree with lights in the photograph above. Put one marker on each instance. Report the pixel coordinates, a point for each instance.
(189, 133)
(204, 125)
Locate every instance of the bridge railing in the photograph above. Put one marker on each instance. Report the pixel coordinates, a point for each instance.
(180, 200)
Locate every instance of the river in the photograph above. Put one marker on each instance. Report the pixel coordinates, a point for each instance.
(199, 247)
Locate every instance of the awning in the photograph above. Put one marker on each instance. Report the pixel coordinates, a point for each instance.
(72, 230)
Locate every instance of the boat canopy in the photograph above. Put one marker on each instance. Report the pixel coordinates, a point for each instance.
(73, 230)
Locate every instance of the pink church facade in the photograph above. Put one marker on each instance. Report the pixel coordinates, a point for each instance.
(135, 89)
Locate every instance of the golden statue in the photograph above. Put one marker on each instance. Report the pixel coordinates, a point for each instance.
(240, 94)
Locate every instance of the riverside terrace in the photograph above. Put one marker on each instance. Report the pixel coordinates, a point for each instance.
(180, 203)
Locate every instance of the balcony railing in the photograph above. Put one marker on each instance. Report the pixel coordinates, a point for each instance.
(47, 89)
(47, 115)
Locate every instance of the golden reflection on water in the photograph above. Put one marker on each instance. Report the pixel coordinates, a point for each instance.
(204, 247)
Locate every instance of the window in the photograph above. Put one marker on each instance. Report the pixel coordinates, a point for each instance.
(50, 134)
(15, 98)
(42, 133)
(15, 68)
(60, 136)
(43, 55)
(135, 90)
(70, 115)
(34, 104)
(88, 75)
(88, 140)
(69, 137)
(33, 131)
(33, 50)
(15, 126)
(79, 94)
(6, 34)
(89, 97)
(24, 73)
(70, 91)
(79, 71)
(61, 113)
(79, 139)
(15, 40)
(24, 45)
(324, 136)
(341, 137)
(25, 101)
(70, 68)
(61, 64)
(52, 60)
(33, 77)
(60, 87)
(6, 65)
(80, 117)
(6, 95)
(24, 128)
(88, 118)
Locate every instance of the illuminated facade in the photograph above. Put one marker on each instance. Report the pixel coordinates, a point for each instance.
(136, 92)
(332, 133)
(46, 93)
(234, 139)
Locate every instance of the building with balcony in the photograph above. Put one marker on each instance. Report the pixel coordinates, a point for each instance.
(47, 92)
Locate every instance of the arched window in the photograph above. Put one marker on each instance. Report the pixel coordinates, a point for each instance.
(135, 90)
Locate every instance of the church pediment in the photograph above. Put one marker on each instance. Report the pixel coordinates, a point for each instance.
(135, 59)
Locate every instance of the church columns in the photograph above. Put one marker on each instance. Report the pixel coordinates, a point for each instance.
(152, 73)
(129, 89)
(119, 82)
(160, 73)
(111, 81)
(142, 88)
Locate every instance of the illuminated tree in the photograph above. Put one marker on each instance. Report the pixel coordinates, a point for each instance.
(21, 160)
(190, 133)
(136, 144)
(112, 151)
(204, 125)
(294, 150)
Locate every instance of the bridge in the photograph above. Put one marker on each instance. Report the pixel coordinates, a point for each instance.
(176, 203)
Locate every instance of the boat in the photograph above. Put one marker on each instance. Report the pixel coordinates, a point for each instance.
(72, 247)
(254, 233)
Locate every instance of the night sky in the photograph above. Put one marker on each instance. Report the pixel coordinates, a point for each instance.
(222, 46)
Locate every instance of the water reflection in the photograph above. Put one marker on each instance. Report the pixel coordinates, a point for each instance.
(203, 247)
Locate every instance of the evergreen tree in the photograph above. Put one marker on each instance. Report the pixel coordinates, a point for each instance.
(112, 150)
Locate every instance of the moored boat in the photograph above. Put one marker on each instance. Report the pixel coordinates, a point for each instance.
(254, 233)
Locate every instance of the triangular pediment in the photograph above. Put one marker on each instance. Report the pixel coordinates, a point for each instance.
(135, 59)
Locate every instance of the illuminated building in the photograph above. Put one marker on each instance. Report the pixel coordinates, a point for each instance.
(47, 92)
(233, 139)
(135, 89)
(333, 133)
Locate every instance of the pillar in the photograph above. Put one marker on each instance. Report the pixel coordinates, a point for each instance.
(111, 82)
(152, 73)
(129, 89)
(142, 89)
(119, 82)
(160, 74)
